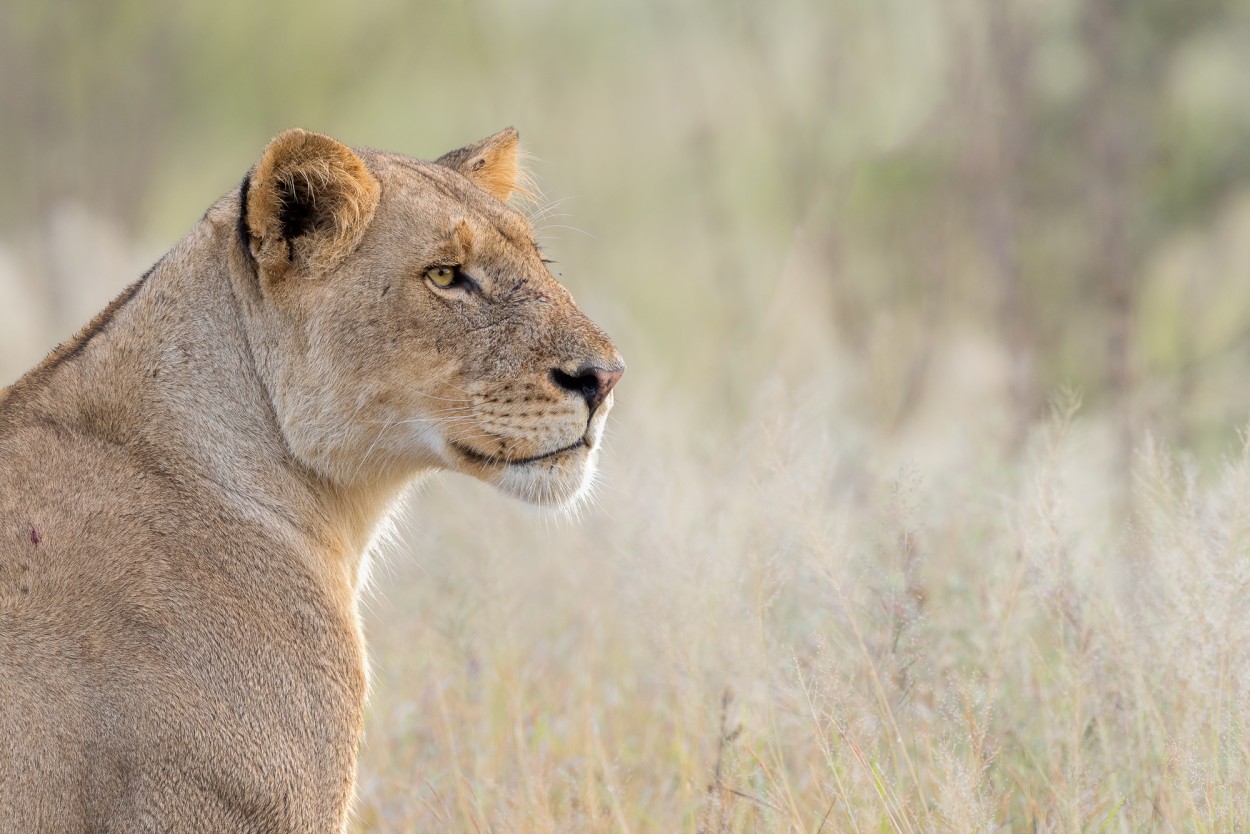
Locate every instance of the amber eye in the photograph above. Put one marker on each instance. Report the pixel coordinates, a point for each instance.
(442, 276)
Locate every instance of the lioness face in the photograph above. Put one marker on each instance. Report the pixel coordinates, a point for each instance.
(438, 338)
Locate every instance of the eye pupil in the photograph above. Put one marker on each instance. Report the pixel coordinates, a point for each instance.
(443, 276)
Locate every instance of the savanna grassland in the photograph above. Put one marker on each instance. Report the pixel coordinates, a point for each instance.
(925, 505)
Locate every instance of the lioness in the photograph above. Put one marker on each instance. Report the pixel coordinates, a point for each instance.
(189, 486)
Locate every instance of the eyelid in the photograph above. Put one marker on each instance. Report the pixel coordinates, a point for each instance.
(462, 278)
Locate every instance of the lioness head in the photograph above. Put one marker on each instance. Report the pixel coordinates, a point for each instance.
(405, 319)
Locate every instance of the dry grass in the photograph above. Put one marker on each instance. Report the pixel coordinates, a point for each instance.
(797, 622)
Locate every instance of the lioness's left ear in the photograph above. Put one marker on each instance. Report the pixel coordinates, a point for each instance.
(309, 201)
(490, 164)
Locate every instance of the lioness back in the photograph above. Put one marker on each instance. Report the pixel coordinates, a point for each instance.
(189, 485)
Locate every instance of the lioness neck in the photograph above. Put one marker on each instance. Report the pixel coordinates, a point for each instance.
(167, 372)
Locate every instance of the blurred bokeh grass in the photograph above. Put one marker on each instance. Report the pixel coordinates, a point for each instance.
(851, 251)
(1050, 178)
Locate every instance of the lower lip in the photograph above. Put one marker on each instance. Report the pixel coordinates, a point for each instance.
(484, 460)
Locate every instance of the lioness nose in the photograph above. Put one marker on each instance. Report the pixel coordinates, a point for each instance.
(592, 384)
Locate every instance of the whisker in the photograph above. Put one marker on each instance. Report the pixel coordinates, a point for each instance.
(570, 228)
(360, 465)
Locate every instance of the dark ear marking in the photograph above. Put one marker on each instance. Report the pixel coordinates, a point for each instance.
(245, 233)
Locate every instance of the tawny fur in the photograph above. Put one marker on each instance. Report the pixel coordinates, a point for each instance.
(188, 486)
(490, 164)
(346, 191)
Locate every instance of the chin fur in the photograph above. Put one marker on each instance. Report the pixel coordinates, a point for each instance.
(563, 485)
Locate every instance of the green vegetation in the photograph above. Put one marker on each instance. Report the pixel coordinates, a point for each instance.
(857, 562)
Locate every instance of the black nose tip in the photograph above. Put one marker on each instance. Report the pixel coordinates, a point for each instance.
(591, 384)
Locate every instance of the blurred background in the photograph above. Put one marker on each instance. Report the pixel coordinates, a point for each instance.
(854, 253)
(1058, 187)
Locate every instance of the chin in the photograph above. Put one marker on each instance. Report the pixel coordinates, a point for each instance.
(561, 482)
(561, 479)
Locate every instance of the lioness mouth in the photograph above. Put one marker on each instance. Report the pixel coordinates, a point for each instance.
(489, 459)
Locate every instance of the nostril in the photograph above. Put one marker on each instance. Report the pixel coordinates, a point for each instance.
(585, 385)
(591, 384)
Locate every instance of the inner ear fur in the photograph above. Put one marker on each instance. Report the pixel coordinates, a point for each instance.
(490, 164)
(309, 202)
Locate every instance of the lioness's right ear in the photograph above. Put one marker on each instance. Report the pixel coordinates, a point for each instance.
(490, 164)
(309, 201)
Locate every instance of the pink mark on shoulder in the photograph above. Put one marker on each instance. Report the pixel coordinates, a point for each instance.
(35, 538)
